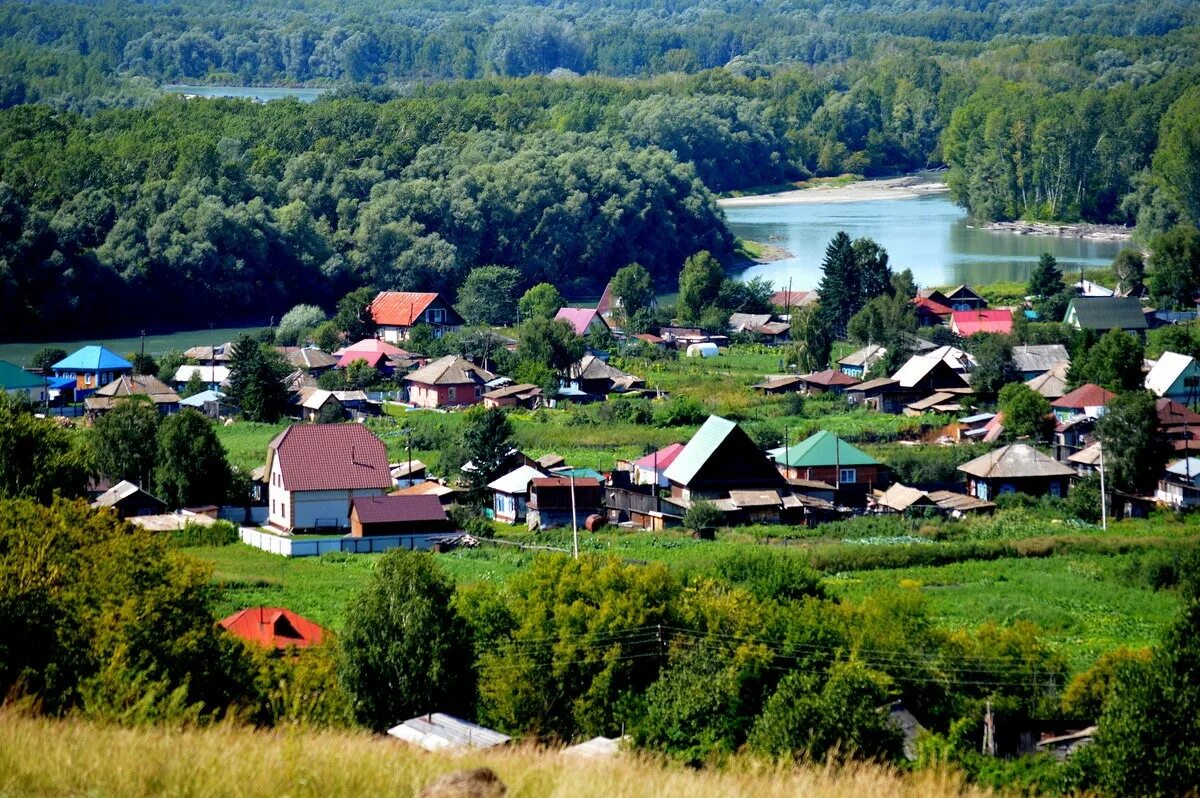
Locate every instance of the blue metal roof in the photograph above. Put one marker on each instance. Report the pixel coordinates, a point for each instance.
(93, 358)
(199, 400)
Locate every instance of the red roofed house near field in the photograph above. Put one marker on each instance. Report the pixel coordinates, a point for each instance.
(970, 322)
(316, 470)
(273, 627)
(397, 312)
(931, 312)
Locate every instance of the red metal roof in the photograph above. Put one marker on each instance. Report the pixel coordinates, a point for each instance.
(273, 627)
(399, 308)
(1089, 395)
(370, 345)
(970, 322)
(1173, 414)
(396, 509)
(373, 359)
(932, 306)
(331, 457)
(663, 457)
(565, 482)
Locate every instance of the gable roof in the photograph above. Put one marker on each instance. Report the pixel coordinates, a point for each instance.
(330, 457)
(590, 367)
(309, 357)
(900, 497)
(138, 385)
(606, 305)
(92, 358)
(962, 292)
(971, 322)
(699, 449)
(1015, 461)
(1107, 313)
(1173, 414)
(829, 378)
(522, 390)
(122, 491)
(398, 509)
(579, 318)
(931, 306)
(209, 374)
(437, 732)
(400, 308)
(1090, 395)
(824, 449)
(779, 381)
(1039, 357)
(1051, 384)
(663, 457)
(370, 345)
(865, 357)
(748, 321)
(202, 398)
(273, 627)
(918, 367)
(516, 481)
(450, 370)
(1167, 371)
(15, 378)
(790, 299)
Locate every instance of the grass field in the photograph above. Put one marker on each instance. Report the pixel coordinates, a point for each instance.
(228, 760)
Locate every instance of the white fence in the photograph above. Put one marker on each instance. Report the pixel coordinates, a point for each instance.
(314, 547)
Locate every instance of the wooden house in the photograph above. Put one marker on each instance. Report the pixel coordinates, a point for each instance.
(1086, 400)
(16, 381)
(127, 500)
(1175, 376)
(824, 457)
(449, 381)
(780, 384)
(884, 395)
(510, 494)
(1101, 314)
(1034, 360)
(1179, 485)
(932, 312)
(963, 297)
(719, 458)
(523, 395)
(550, 501)
(828, 381)
(165, 400)
(91, 368)
(858, 363)
(1016, 468)
(397, 312)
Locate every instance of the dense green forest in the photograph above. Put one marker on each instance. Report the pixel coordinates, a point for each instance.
(121, 207)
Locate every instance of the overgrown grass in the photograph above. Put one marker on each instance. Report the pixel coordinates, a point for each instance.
(246, 442)
(230, 760)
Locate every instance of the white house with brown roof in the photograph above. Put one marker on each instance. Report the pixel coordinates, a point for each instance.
(314, 471)
(397, 312)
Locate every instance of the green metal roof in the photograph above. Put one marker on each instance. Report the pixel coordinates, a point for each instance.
(15, 378)
(824, 449)
(699, 449)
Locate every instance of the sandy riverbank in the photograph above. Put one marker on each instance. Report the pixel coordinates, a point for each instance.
(863, 190)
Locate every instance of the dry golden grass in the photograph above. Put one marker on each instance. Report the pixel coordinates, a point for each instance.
(41, 757)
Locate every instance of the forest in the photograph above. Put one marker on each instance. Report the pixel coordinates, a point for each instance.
(120, 206)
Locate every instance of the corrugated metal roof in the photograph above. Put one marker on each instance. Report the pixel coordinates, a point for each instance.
(900, 497)
(399, 308)
(439, 732)
(395, 509)
(699, 449)
(1107, 313)
(92, 358)
(824, 449)
(579, 318)
(516, 481)
(331, 457)
(662, 458)
(1015, 461)
(1167, 371)
(202, 398)
(273, 627)
(1039, 357)
(15, 378)
(1089, 395)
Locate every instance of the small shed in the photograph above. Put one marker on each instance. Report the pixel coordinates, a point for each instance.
(707, 349)
(510, 494)
(128, 500)
(440, 732)
(551, 502)
(372, 516)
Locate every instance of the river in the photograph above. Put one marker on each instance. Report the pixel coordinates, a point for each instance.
(259, 93)
(929, 234)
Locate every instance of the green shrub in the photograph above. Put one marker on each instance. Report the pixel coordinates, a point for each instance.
(770, 574)
(222, 533)
(702, 515)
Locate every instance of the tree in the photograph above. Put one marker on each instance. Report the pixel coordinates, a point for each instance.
(994, 366)
(1087, 693)
(884, 320)
(298, 322)
(550, 342)
(1026, 412)
(1133, 452)
(903, 285)
(405, 649)
(699, 285)
(1177, 159)
(633, 293)
(191, 468)
(1147, 741)
(37, 459)
(123, 441)
(489, 296)
(1046, 279)
(1129, 266)
(353, 315)
(193, 386)
(487, 441)
(540, 302)
(326, 336)
(1115, 362)
(814, 340)
(44, 359)
(874, 275)
(142, 364)
(1175, 268)
(841, 294)
(256, 375)
(360, 376)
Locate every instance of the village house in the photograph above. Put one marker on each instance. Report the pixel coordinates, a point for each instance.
(309, 358)
(318, 403)
(523, 395)
(416, 520)
(932, 312)
(1086, 461)
(858, 363)
(651, 469)
(824, 457)
(780, 384)
(91, 368)
(16, 381)
(550, 501)
(209, 402)
(409, 472)
(314, 471)
(445, 494)
(961, 297)
(1101, 314)
(510, 494)
(789, 300)
(449, 381)
(213, 377)
(221, 353)
(1086, 400)
(998, 321)
(941, 371)
(397, 312)
(1053, 383)
(760, 326)
(1175, 376)
(882, 394)
(937, 402)
(827, 381)
(1178, 426)
(127, 500)
(165, 400)
(1034, 360)
(593, 377)
(273, 628)
(1016, 468)
(1179, 485)
(719, 458)
(915, 502)
(584, 321)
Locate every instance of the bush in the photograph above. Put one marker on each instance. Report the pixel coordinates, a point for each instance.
(222, 533)
(679, 411)
(702, 515)
(770, 574)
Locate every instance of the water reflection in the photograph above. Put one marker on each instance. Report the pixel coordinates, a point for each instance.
(930, 235)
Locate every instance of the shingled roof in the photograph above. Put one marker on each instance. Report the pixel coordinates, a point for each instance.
(330, 457)
(397, 509)
(450, 370)
(1015, 461)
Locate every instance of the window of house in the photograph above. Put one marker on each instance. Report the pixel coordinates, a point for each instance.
(438, 315)
(1055, 489)
(453, 394)
(848, 475)
(478, 392)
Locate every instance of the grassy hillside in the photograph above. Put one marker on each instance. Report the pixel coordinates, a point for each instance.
(235, 761)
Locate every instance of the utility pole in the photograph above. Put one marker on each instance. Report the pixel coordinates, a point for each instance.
(1103, 496)
(574, 520)
(989, 732)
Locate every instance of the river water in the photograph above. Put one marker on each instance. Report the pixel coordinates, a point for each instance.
(930, 235)
(261, 94)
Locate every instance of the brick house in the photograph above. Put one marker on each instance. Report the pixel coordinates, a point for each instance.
(449, 381)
